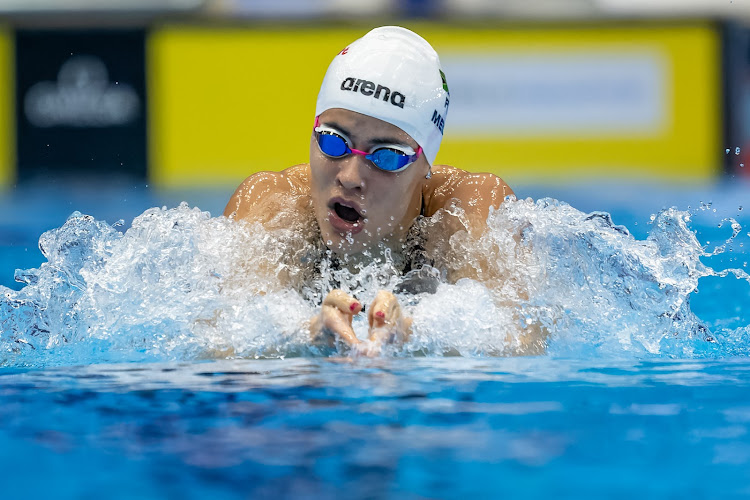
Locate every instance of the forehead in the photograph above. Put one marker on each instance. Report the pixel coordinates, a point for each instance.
(363, 128)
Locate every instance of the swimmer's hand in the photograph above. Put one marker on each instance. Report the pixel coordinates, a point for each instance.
(334, 323)
(335, 320)
(388, 325)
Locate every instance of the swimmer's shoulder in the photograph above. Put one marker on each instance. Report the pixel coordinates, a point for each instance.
(251, 195)
(475, 189)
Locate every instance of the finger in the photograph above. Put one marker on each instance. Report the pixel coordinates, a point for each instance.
(339, 324)
(384, 309)
(377, 320)
(343, 302)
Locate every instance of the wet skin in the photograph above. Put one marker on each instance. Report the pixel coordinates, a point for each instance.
(359, 207)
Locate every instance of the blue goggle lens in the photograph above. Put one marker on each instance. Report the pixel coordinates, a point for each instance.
(332, 145)
(386, 159)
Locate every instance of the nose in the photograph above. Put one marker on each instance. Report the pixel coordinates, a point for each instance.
(351, 172)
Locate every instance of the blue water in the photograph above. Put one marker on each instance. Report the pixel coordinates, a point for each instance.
(394, 428)
(643, 389)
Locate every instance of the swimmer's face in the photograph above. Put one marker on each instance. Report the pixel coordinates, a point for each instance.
(356, 204)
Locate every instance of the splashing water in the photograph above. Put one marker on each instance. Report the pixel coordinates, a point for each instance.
(181, 285)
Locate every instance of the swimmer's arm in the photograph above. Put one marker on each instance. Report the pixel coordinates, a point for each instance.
(476, 192)
(259, 196)
(473, 194)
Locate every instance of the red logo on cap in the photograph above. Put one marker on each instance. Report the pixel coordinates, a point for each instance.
(344, 51)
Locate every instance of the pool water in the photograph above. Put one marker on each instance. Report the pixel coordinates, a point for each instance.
(640, 393)
(393, 428)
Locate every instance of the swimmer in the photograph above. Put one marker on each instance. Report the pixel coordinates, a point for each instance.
(379, 121)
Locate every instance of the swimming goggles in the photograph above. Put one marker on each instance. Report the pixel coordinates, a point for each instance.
(388, 157)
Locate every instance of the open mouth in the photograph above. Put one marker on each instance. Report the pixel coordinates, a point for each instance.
(346, 213)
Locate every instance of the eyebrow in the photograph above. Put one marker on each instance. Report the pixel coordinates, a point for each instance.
(376, 141)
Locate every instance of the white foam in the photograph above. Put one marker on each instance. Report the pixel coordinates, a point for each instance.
(182, 285)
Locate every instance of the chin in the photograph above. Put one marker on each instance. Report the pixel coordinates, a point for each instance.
(340, 245)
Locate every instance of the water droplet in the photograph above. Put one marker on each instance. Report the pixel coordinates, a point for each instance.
(739, 208)
(737, 150)
(727, 151)
(393, 218)
(329, 242)
(742, 165)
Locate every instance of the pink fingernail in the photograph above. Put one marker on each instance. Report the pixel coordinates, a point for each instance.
(353, 306)
(380, 314)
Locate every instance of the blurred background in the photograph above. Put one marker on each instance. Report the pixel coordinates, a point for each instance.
(111, 107)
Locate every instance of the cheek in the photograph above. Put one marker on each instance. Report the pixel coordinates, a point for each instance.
(321, 180)
(394, 197)
(317, 166)
(317, 189)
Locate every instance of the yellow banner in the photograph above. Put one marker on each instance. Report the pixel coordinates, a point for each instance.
(527, 103)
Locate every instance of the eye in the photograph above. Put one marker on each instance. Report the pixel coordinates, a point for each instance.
(324, 130)
(394, 150)
(333, 134)
(401, 150)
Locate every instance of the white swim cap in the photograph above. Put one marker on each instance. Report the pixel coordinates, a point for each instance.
(394, 75)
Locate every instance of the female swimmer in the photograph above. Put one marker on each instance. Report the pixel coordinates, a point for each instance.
(379, 121)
